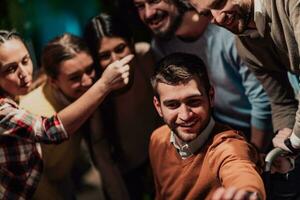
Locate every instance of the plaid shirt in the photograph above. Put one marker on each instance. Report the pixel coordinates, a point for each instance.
(20, 162)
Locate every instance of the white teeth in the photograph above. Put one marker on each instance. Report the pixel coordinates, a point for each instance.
(188, 125)
(155, 22)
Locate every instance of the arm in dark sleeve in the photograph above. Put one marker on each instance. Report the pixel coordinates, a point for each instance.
(273, 76)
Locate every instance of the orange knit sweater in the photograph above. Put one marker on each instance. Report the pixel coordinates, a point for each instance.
(226, 160)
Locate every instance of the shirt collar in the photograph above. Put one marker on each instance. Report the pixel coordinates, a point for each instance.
(190, 148)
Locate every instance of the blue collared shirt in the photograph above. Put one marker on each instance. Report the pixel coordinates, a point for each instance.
(240, 99)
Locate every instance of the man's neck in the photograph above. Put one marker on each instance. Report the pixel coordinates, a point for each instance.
(192, 26)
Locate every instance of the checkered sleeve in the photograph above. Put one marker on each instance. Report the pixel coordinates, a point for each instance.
(20, 123)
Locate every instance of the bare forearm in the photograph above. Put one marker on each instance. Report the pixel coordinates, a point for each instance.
(77, 113)
(115, 76)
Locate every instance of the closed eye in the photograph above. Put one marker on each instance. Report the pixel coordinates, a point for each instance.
(104, 55)
(75, 77)
(139, 6)
(171, 104)
(194, 102)
(120, 48)
(11, 68)
(25, 60)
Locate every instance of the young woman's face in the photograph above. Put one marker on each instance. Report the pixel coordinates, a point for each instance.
(15, 68)
(112, 49)
(76, 75)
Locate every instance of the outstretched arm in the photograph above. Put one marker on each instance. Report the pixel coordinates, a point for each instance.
(235, 194)
(20, 123)
(236, 164)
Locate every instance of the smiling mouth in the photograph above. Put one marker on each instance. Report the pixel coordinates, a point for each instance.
(26, 84)
(188, 125)
(157, 21)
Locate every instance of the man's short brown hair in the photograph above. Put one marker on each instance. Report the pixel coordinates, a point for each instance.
(178, 68)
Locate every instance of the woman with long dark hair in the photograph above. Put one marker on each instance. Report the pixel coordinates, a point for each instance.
(128, 115)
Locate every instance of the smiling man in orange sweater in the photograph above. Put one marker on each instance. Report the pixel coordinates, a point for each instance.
(192, 156)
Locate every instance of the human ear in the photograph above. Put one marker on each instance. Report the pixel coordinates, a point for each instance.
(53, 82)
(211, 96)
(157, 105)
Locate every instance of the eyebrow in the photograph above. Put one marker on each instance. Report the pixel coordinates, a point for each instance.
(200, 95)
(7, 65)
(91, 66)
(74, 73)
(102, 52)
(137, 2)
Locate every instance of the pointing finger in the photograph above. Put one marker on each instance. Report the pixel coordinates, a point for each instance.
(126, 59)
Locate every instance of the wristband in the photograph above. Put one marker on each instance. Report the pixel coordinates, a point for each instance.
(289, 145)
(295, 140)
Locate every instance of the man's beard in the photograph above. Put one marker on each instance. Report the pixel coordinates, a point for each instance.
(245, 19)
(171, 29)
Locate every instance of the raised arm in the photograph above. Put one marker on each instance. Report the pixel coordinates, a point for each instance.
(115, 76)
(20, 123)
(263, 61)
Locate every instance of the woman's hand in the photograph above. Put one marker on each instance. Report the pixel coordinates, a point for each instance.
(116, 75)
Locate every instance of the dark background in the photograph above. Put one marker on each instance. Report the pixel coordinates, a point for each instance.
(40, 20)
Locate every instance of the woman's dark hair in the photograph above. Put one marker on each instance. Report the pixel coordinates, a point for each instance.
(6, 35)
(105, 25)
(59, 49)
(96, 29)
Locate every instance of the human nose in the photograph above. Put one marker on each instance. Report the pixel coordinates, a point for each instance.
(218, 17)
(185, 113)
(86, 80)
(22, 72)
(149, 11)
(115, 56)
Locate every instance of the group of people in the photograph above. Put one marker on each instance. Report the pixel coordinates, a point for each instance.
(188, 116)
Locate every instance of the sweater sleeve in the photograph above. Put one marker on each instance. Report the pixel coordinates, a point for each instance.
(294, 17)
(261, 117)
(274, 80)
(234, 162)
(153, 148)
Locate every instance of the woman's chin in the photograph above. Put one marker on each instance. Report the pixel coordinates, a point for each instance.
(23, 91)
